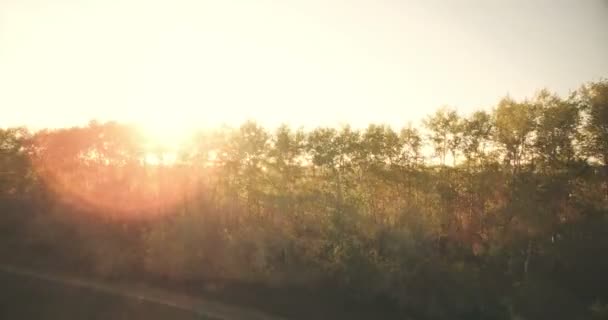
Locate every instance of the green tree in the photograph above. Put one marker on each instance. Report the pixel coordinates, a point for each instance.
(477, 135)
(445, 133)
(557, 129)
(514, 124)
(594, 101)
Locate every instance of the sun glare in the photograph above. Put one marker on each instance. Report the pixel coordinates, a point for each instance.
(165, 135)
(163, 141)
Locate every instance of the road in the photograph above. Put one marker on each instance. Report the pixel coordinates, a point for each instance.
(26, 294)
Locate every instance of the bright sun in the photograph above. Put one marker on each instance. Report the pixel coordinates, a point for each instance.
(163, 141)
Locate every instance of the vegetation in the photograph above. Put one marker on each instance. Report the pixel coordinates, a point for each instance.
(494, 215)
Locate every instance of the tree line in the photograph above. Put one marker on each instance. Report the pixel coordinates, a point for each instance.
(500, 214)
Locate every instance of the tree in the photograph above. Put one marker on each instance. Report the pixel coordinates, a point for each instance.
(514, 230)
(380, 145)
(285, 158)
(557, 128)
(334, 151)
(15, 170)
(593, 98)
(446, 127)
(477, 134)
(514, 124)
(251, 143)
(411, 142)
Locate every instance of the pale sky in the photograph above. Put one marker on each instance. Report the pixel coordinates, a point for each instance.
(189, 63)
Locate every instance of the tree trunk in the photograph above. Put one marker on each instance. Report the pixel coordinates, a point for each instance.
(527, 261)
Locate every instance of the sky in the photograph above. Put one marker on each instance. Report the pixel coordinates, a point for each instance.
(180, 64)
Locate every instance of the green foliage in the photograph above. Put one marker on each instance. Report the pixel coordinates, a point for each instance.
(593, 98)
(515, 228)
(446, 133)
